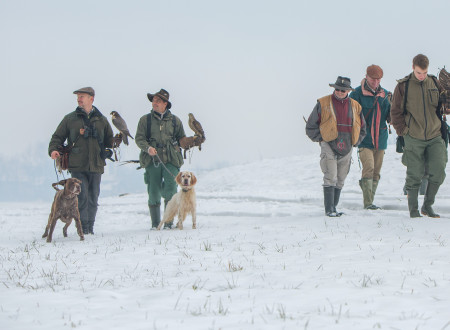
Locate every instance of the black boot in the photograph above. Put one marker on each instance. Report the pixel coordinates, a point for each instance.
(413, 203)
(91, 227)
(155, 214)
(337, 195)
(167, 225)
(85, 227)
(328, 200)
(428, 201)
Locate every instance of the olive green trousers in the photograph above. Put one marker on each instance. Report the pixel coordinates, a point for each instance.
(160, 182)
(418, 154)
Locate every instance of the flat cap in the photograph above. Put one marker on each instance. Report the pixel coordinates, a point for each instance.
(86, 90)
(374, 71)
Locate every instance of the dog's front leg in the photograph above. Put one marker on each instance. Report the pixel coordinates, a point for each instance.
(45, 232)
(78, 225)
(68, 222)
(52, 228)
(181, 217)
(50, 217)
(194, 219)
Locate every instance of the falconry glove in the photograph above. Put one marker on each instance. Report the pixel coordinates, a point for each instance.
(191, 141)
(117, 140)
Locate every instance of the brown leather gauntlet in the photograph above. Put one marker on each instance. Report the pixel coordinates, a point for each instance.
(117, 139)
(191, 141)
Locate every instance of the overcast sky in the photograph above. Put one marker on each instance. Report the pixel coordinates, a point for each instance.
(248, 70)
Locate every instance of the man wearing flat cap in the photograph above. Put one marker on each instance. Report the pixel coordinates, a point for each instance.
(88, 133)
(376, 107)
(337, 123)
(159, 136)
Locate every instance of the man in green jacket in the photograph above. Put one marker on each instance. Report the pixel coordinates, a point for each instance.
(416, 115)
(160, 137)
(88, 132)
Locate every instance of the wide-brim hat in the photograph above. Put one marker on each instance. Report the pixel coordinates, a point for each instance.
(85, 90)
(343, 83)
(163, 95)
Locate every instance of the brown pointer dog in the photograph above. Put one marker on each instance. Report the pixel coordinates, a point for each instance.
(65, 207)
(183, 202)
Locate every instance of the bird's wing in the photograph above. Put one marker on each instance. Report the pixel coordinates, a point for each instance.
(444, 78)
(195, 125)
(120, 124)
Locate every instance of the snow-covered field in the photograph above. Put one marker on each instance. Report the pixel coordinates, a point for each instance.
(264, 256)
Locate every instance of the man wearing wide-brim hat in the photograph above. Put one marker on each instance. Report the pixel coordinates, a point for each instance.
(159, 136)
(337, 123)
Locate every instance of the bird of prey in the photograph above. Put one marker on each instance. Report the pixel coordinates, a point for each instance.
(444, 78)
(195, 125)
(120, 124)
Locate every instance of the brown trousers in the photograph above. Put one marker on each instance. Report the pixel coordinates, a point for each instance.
(371, 160)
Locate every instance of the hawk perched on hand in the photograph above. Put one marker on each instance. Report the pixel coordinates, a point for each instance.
(121, 125)
(195, 125)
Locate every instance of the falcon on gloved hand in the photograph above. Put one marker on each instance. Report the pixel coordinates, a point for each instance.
(120, 124)
(195, 125)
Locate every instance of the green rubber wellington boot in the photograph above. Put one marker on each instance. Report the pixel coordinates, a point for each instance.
(428, 201)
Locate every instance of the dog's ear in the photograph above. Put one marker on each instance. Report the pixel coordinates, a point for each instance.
(62, 182)
(193, 179)
(77, 180)
(178, 178)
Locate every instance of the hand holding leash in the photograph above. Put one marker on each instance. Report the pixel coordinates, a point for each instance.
(55, 154)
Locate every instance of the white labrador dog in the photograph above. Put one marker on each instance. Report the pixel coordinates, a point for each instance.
(183, 202)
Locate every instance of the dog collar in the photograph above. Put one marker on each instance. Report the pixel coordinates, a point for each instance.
(184, 190)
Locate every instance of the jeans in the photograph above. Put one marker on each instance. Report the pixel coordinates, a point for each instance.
(88, 198)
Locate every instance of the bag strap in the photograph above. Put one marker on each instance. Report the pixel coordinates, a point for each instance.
(437, 86)
(406, 95)
(101, 144)
(149, 126)
(373, 107)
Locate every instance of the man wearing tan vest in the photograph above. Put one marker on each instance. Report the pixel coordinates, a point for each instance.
(337, 123)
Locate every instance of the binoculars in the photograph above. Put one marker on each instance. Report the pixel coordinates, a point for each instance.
(90, 131)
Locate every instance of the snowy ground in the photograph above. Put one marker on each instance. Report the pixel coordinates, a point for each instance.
(264, 256)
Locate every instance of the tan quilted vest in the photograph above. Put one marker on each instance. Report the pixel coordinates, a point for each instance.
(328, 123)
